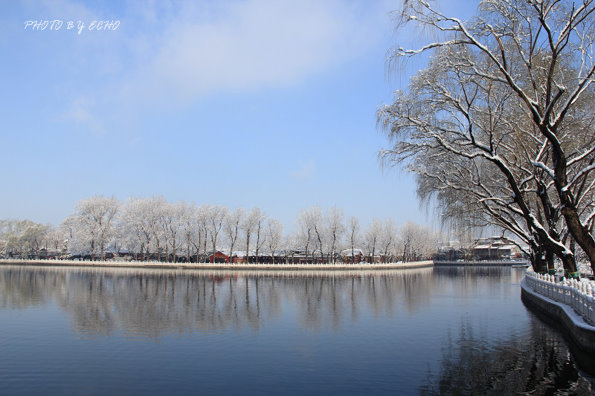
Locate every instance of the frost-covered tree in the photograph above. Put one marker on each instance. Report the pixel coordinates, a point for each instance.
(260, 234)
(372, 238)
(353, 236)
(69, 228)
(310, 229)
(231, 226)
(140, 220)
(215, 218)
(291, 244)
(33, 238)
(252, 224)
(152, 217)
(305, 230)
(335, 229)
(130, 232)
(416, 242)
(23, 238)
(188, 226)
(202, 232)
(171, 220)
(274, 234)
(387, 240)
(95, 220)
(54, 239)
(499, 126)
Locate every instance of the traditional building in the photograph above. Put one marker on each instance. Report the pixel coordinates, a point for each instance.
(495, 248)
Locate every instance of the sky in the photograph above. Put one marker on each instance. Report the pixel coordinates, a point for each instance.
(243, 103)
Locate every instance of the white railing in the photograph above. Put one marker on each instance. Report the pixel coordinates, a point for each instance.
(574, 293)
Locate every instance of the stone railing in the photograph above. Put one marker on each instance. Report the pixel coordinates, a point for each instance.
(574, 293)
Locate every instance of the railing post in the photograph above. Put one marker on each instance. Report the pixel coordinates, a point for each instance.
(576, 294)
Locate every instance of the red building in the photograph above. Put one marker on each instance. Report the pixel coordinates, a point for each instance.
(218, 257)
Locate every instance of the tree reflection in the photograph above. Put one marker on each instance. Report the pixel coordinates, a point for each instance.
(537, 363)
(153, 303)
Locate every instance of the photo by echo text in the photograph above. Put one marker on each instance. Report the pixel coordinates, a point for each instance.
(77, 26)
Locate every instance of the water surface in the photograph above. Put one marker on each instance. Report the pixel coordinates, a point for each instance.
(428, 331)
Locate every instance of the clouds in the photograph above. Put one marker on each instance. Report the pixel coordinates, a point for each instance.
(258, 44)
(200, 49)
(231, 94)
(80, 115)
(305, 172)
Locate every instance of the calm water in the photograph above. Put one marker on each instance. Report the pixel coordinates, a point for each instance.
(428, 331)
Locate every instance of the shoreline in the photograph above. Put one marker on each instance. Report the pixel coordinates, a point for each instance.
(216, 266)
(486, 263)
(562, 315)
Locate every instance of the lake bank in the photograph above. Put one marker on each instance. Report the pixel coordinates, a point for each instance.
(563, 316)
(220, 266)
(483, 263)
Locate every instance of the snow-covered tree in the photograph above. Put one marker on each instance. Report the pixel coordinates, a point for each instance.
(260, 234)
(202, 236)
(129, 230)
(310, 229)
(23, 238)
(416, 242)
(387, 239)
(188, 227)
(499, 126)
(33, 237)
(95, 221)
(353, 236)
(274, 233)
(335, 229)
(372, 238)
(215, 218)
(54, 239)
(252, 224)
(171, 221)
(140, 223)
(231, 226)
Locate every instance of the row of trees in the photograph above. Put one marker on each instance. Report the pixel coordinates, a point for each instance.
(499, 127)
(153, 228)
(23, 238)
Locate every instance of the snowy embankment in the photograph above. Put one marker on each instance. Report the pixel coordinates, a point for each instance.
(482, 263)
(569, 303)
(219, 266)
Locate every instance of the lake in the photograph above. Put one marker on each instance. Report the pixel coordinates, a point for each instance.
(443, 330)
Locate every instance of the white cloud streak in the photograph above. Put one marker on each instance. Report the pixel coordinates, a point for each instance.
(305, 172)
(257, 44)
(200, 49)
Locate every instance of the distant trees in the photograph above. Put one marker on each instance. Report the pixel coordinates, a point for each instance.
(233, 222)
(499, 127)
(215, 217)
(156, 229)
(94, 223)
(274, 235)
(306, 222)
(26, 238)
(353, 236)
(416, 242)
(335, 230)
(387, 240)
(251, 224)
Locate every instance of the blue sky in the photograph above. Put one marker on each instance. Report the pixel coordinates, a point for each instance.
(240, 103)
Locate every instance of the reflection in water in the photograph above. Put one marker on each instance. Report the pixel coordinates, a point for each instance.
(152, 303)
(538, 364)
(448, 330)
